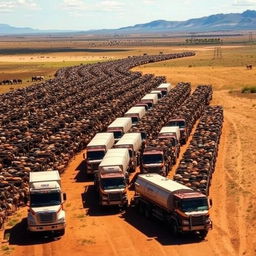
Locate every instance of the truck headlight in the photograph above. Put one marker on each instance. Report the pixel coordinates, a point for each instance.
(185, 222)
(61, 220)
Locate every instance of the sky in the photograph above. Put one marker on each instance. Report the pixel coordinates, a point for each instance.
(98, 14)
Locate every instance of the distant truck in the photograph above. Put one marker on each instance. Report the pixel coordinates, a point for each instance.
(181, 208)
(112, 178)
(182, 124)
(96, 150)
(119, 127)
(172, 133)
(46, 200)
(158, 93)
(135, 113)
(133, 142)
(150, 100)
(165, 88)
(156, 158)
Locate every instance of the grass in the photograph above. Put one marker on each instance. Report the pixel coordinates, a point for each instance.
(87, 241)
(249, 89)
(12, 222)
(6, 249)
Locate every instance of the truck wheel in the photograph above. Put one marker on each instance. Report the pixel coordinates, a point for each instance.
(203, 234)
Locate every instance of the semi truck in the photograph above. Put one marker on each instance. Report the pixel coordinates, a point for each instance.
(119, 127)
(150, 100)
(112, 178)
(96, 149)
(181, 208)
(156, 157)
(171, 133)
(135, 113)
(45, 203)
(164, 88)
(133, 142)
(158, 93)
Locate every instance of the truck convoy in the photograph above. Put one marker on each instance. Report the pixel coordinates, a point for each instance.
(120, 126)
(183, 209)
(133, 142)
(171, 133)
(111, 180)
(96, 149)
(46, 200)
(156, 157)
(135, 113)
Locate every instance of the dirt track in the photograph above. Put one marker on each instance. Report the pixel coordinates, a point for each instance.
(93, 232)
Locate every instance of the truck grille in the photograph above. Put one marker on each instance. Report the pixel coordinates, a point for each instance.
(47, 217)
(115, 196)
(197, 220)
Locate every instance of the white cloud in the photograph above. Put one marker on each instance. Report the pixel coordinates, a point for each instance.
(10, 5)
(74, 5)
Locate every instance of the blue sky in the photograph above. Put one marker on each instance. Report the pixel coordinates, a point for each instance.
(97, 14)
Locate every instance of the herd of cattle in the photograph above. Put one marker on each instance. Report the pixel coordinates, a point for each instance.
(44, 125)
(10, 82)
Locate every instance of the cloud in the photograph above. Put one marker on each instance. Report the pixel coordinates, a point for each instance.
(245, 3)
(74, 5)
(7, 6)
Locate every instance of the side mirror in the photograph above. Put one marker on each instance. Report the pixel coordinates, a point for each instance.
(210, 202)
(64, 196)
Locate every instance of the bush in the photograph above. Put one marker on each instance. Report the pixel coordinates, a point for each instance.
(249, 89)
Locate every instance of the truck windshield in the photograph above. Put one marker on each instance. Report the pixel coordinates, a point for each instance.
(152, 159)
(95, 155)
(112, 183)
(135, 120)
(193, 205)
(118, 134)
(181, 124)
(45, 199)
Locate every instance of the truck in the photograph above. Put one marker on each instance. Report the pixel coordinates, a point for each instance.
(182, 209)
(164, 88)
(45, 202)
(172, 133)
(156, 157)
(158, 93)
(182, 123)
(133, 142)
(119, 127)
(150, 100)
(96, 149)
(135, 113)
(112, 178)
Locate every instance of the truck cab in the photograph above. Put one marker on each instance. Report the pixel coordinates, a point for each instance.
(46, 200)
(135, 113)
(112, 178)
(133, 142)
(164, 88)
(119, 127)
(171, 133)
(96, 150)
(150, 100)
(158, 93)
(182, 124)
(155, 160)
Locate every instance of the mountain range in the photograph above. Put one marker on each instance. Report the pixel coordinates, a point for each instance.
(217, 22)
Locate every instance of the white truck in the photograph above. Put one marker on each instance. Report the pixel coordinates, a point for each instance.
(172, 133)
(133, 142)
(135, 113)
(180, 207)
(112, 178)
(120, 126)
(164, 88)
(150, 100)
(96, 150)
(45, 203)
(158, 93)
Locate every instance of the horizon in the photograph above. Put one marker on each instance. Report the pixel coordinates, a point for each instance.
(109, 14)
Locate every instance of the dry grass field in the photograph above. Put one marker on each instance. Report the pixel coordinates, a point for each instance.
(233, 190)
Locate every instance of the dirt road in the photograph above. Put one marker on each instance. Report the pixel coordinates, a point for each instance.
(91, 231)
